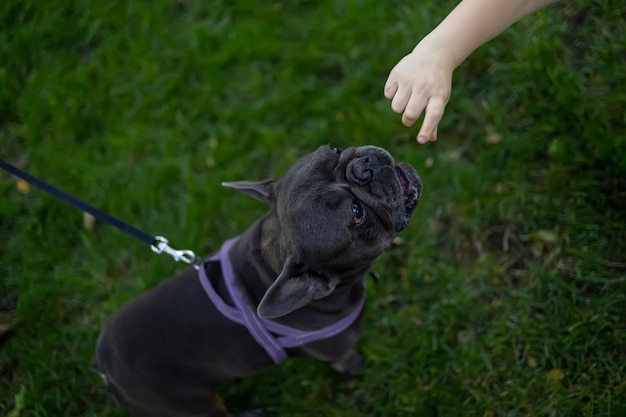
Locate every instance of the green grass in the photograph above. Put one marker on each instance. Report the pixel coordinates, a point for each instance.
(506, 296)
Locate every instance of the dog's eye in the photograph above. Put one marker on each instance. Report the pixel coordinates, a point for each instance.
(358, 212)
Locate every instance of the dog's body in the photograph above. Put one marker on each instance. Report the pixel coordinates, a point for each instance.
(302, 265)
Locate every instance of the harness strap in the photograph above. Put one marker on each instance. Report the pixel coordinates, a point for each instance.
(273, 337)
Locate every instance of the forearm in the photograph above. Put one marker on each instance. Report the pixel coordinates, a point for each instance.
(475, 22)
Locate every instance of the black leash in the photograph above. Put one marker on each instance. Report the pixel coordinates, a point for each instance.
(158, 244)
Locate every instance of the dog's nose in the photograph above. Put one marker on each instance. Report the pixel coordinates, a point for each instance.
(362, 169)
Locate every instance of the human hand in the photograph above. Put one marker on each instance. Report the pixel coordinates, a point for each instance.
(420, 82)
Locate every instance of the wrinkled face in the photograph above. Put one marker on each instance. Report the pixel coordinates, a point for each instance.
(342, 209)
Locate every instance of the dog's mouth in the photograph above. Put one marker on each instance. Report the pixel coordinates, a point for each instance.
(411, 188)
(361, 165)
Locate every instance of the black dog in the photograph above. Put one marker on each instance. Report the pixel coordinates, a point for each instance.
(292, 284)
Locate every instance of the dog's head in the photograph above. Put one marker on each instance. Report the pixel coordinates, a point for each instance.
(338, 211)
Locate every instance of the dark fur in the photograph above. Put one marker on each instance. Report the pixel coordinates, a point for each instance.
(302, 264)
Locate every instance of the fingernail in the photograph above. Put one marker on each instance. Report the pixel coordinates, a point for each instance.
(422, 139)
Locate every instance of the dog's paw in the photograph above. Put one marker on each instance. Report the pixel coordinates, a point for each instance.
(250, 413)
(351, 367)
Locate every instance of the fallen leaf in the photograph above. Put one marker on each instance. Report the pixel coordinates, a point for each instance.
(88, 221)
(492, 137)
(22, 187)
(465, 337)
(545, 236)
(556, 374)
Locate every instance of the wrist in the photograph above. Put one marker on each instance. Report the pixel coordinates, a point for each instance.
(440, 52)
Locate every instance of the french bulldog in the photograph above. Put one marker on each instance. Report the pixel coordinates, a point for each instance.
(292, 284)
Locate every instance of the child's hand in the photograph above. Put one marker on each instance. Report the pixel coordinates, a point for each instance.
(421, 81)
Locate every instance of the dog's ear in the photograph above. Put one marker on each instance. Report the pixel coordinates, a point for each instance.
(295, 287)
(261, 190)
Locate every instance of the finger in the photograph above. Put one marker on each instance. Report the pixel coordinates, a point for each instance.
(434, 137)
(423, 138)
(414, 109)
(434, 112)
(390, 89)
(400, 100)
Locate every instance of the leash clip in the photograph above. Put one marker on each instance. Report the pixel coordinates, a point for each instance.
(160, 245)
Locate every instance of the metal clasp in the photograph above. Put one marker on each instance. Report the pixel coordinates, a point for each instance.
(160, 245)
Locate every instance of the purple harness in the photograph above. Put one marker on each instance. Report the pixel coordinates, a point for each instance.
(273, 337)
